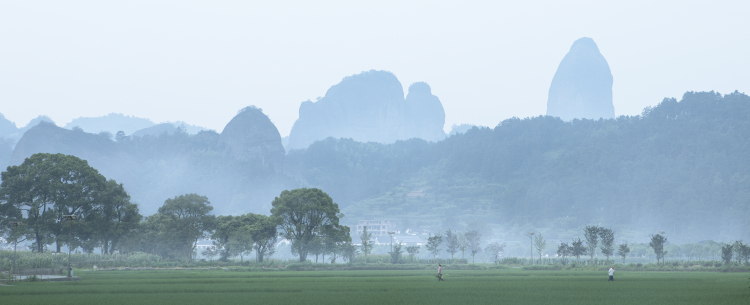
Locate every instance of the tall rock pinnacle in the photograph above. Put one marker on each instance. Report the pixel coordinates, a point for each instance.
(250, 135)
(582, 86)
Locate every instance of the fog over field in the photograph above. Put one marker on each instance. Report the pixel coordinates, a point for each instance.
(502, 119)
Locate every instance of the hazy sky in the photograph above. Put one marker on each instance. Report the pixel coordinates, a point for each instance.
(200, 62)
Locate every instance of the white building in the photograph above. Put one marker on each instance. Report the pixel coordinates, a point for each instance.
(376, 227)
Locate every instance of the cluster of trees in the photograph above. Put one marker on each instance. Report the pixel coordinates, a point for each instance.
(453, 243)
(37, 195)
(593, 236)
(739, 251)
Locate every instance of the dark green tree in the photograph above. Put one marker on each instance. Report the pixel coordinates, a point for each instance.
(726, 254)
(263, 232)
(113, 217)
(396, 253)
(348, 251)
(185, 219)
(608, 239)
(577, 249)
(741, 251)
(413, 251)
(563, 250)
(623, 251)
(433, 245)
(335, 237)
(452, 243)
(43, 189)
(474, 240)
(591, 234)
(302, 215)
(657, 244)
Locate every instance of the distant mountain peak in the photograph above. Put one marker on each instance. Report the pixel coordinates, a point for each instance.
(370, 107)
(582, 85)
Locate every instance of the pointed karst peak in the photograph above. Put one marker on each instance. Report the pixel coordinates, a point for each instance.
(582, 85)
(425, 116)
(584, 44)
(251, 135)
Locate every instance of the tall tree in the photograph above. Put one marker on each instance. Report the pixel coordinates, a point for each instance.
(563, 250)
(412, 250)
(577, 249)
(396, 253)
(463, 244)
(495, 249)
(186, 220)
(433, 245)
(113, 217)
(316, 247)
(334, 238)
(726, 254)
(262, 229)
(591, 234)
(366, 237)
(740, 250)
(348, 251)
(474, 239)
(540, 244)
(303, 214)
(657, 244)
(240, 244)
(608, 240)
(452, 242)
(623, 251)
(43, 189)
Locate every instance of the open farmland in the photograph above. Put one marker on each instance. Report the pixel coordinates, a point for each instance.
(384, 287)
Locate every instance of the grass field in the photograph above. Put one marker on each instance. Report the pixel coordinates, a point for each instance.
(385, 287)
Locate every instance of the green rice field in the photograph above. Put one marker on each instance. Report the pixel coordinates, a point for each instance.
(510, 286)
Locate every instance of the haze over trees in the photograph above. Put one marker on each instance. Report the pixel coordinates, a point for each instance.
(629, 172)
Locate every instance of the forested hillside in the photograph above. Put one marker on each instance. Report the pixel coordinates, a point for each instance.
(681, 167)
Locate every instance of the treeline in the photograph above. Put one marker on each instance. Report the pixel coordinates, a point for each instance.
(55, 199)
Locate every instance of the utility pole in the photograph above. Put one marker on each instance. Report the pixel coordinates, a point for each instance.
(70, 239)
(391, 234)
(531, 246)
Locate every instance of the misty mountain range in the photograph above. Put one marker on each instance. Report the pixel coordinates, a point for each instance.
(680, 166)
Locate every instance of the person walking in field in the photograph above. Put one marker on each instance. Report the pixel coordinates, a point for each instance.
(611, 274)
(440, 272)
